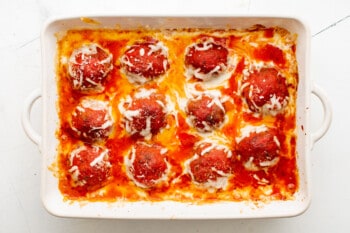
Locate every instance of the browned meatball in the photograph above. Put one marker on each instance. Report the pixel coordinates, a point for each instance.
(259, 150)
(147, 164)
(205, 112)
(265, 90)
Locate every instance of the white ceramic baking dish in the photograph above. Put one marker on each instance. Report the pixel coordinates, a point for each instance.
(47, 142)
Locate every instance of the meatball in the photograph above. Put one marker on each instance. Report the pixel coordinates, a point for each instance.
(92, 120)
(144, 114)
(211, 164)
(207, 59)
(88, 68)
(89, 167)
(144, 61)
(205, 112)
(265, 91)
(146, 164)
(259, 149)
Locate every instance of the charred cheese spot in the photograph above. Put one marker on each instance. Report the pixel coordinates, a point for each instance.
(88, 67)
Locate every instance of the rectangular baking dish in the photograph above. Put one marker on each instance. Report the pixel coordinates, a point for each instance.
(47, 142)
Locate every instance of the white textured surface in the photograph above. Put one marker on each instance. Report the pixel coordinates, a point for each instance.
(20, 205)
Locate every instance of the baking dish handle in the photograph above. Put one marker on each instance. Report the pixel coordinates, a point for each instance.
(327, 118)
(27, 126)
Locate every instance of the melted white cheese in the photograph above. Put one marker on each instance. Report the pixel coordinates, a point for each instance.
(208, 44)
(216, 142)
(171, 107)
(192, 93)
(274, 105)
(250, 166)
(142, 52)
(261, 181)
(75, 173)
(101, 159)
(247, 130)
(266, 164)
(93, 104)
(159, 46)
(146, 132)
(144, 93)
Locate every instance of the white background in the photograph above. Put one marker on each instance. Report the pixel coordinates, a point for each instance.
(21, 21)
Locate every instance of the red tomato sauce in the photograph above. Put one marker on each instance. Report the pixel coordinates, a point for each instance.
(270, 53)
